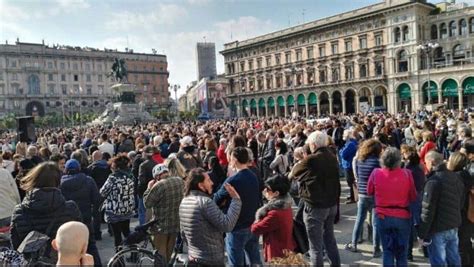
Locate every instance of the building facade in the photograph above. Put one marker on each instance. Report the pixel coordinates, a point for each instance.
(36, 79)
(208, 97)
(206, 60)
(376, 56)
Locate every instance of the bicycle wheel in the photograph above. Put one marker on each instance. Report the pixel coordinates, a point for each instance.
(133, 256)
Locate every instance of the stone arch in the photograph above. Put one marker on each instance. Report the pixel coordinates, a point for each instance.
(380, 96)
(404, 96)
(281, 106)
(253, 107)
(324, 102)
(350, 100)
(313, 104)
(34, 108)
(271, 106)
(433, 87)
(301, 104)
(245, 108)
(336, 101)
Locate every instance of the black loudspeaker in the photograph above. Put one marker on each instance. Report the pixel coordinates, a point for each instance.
(26, 129)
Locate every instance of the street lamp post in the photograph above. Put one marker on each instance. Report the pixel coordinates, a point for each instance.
(428, 48)
(242, 84)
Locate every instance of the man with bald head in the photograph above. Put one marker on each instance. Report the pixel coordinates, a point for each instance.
(71, 244)
(99, 170)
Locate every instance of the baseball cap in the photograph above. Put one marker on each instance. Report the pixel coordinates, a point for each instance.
(159, 169)
(72, 164)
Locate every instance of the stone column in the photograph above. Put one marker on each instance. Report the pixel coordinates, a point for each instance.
(266, 111)
(307, 108)
(461, 104)
(343, 100)
(286, 109)
(318, 109)
(258, 111)
(440, 96)
(372, 100)
(330, 105)
(357, 103)
(276, 107)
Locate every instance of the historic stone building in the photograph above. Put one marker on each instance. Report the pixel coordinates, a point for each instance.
(39, 79)
(376, 56)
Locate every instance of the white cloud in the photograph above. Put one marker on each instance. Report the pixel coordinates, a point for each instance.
(11, 13)
(164, 14)
(198, 2)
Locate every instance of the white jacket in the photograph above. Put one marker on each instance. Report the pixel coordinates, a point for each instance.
(9, 196)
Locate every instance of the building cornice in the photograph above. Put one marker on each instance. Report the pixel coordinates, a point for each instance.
(329, 22)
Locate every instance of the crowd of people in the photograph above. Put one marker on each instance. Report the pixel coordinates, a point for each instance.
(217, 186)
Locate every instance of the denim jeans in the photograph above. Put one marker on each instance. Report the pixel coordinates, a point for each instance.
(394, 234)
(365, 205)
(141, 212)
(443, 249)
(239, 243)
(320, 228)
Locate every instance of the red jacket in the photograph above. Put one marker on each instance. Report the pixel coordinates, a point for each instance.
(277, 230)
(427, 147)
(221, 156)
(157, 158)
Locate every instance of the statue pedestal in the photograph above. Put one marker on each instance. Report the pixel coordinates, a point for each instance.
(126, 111)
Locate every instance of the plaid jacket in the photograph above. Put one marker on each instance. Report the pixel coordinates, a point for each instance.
(164, 199)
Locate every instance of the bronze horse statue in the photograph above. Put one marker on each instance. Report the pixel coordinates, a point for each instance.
(119, 71)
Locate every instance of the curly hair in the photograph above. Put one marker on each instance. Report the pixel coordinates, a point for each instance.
(120, 162)
(370, 147)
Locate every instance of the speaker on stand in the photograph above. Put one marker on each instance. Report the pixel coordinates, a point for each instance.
(26, 129)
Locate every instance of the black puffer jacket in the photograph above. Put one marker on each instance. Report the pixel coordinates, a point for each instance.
(38, 209)
(82, 190)
(443, 199)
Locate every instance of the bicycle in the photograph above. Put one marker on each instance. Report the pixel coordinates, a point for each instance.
(134, 251)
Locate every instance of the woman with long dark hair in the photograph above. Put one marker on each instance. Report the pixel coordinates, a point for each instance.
(216, 173)
(43, 205)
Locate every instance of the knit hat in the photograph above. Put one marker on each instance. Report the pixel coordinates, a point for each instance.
(159, 169)
(72, 164)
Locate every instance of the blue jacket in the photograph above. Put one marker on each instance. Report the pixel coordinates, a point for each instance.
(246, 184)
(81, 189)
(347, 153)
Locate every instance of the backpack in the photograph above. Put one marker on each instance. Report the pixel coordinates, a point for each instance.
(470, 207)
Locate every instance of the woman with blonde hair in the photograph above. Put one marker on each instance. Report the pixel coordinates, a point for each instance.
(21, 149)
(175, 168)
(457, 163)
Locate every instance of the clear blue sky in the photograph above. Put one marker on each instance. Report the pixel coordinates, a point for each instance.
(170, 27)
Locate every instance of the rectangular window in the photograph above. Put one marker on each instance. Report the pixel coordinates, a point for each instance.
(75, 66)
(88, 66)
(379, 68)
(348, 45)
(88, 78)
(1, 76)
(322, 51)
(64, 89)
(288, 58)
(51, 90)
(63, 77)
(99, 78)
(50, 65)
(334, 48)
(378, 40)
(309, 52)
(76, 77)
(14, 77)
(50, 77)
(99, 66)
(242, 66)
(277, 59)
(268, 61)
(298, 56)
(13, 64)
(100, 89)
(89, 90)
(250, 64)
(363, 42)
(62, 65)
(259, 63)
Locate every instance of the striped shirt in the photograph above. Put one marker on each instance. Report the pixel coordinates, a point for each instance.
(364, 168)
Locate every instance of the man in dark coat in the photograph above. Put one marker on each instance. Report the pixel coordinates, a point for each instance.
(145, 175)
(443, 199)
